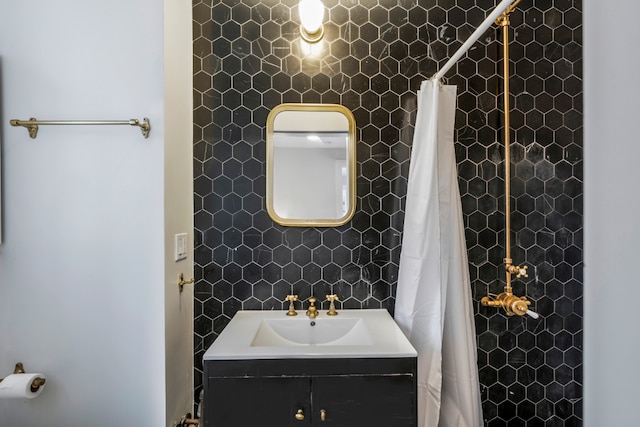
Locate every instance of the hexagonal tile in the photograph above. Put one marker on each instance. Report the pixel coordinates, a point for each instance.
(247, 60)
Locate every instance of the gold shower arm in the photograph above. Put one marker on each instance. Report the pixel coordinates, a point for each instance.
(489, 20)
(505, 15)
(513, 6)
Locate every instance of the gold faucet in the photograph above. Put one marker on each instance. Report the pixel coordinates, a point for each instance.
(312, 312)
(512, 304)
(292, 308)
(332, 306)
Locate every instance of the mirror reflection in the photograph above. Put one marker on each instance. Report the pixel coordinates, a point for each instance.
(310, 165)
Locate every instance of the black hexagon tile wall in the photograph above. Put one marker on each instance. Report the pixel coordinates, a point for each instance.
(248, 59)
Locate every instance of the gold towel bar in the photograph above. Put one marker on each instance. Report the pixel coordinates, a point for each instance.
(32, 124)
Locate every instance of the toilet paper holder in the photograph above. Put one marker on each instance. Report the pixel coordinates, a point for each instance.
(35, 384)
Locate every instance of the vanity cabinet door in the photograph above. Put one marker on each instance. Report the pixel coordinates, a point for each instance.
(259, 402)
(372, 401)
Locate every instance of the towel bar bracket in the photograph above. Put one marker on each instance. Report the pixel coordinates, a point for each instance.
(29, 125)
(32, 124)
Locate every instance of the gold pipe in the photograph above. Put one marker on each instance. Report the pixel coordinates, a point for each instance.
(504, 22)
(509, 302)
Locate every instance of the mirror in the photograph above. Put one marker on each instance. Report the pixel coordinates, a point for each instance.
(311, 165)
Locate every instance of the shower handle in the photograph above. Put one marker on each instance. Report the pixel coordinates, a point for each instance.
(517, 270)
(511, 304)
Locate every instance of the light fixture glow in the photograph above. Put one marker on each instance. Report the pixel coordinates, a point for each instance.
(311, 17)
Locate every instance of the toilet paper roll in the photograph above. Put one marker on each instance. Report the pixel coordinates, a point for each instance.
(17, 386)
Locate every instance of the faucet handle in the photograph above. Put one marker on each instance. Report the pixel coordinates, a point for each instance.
(518, 306)
(292, 308)
(522, 272)
(291, 298)
(332, 306)
(519, 271)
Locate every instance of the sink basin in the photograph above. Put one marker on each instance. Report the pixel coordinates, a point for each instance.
(274, 335)
(303, 331)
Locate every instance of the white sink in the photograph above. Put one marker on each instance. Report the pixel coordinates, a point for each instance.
(274, 335)
(304, 331)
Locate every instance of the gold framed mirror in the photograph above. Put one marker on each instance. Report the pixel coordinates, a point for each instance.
(311, 165)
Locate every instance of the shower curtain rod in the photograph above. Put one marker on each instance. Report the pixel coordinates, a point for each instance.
(489, 21)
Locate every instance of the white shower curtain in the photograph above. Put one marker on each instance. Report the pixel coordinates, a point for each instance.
(433, 300)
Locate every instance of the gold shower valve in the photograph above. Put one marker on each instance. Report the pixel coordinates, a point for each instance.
(516, 305)
(511, 303)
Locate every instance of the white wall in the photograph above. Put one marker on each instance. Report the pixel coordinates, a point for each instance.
(178, 203)
(612, 213)
(82, 264)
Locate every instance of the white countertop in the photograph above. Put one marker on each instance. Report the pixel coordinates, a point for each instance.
(384, 338)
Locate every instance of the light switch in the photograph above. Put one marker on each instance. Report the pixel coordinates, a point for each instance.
(180, 246)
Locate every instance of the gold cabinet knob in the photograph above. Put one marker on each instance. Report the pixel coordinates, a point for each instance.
(323, 415)
(300, 415)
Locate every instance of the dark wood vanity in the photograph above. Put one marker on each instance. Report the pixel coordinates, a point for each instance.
(336, 392)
